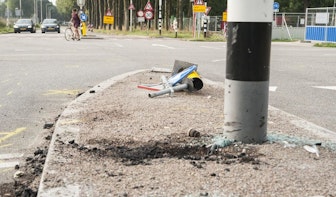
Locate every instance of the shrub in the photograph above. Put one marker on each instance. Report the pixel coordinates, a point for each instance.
(2, 23)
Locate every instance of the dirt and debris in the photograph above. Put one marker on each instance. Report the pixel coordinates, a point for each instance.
(123, 143)
(28, 173)
(130, 145)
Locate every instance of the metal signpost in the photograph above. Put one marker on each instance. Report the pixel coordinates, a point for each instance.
(276, 7)
(160, 16)
(131, 8)
(81, 3)
(149, 15)
(198, 8)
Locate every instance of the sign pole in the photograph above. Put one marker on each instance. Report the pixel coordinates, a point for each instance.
(131, 18)
(160, 16)
(247, 70)
(205, 22)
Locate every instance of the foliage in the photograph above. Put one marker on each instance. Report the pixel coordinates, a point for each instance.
(2, 23)
(3, 28)
(325, 44)
(301, 5)
(64, 7)
(185, 35)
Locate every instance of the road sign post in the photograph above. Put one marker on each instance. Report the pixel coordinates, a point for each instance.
(131, 8)
(247, 70)
(149, 15)
(160, 16)
(81, 3)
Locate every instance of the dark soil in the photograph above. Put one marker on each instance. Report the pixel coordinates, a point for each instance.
(129, 153)
(187, 148)
(30, 170)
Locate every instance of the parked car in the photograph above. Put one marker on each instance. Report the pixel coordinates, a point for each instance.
(50, 25)
(24, 25)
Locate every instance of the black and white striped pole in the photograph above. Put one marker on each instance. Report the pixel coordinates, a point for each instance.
(160, 16)
(205, 23)
(247, 70)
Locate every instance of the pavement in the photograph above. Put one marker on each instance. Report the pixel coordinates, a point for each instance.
(284, 130)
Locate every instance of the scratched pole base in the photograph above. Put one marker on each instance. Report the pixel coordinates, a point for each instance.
(245, 110)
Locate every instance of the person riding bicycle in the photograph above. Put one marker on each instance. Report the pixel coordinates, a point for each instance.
(75, 22)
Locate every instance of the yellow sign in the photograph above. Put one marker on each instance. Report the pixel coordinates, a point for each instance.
(199, 8)
(108, 20)
(224, 16)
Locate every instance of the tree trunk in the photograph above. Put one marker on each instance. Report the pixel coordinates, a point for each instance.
(120, 15)
(115, 6)
(166, 14)
(126, 17)
(180, 15)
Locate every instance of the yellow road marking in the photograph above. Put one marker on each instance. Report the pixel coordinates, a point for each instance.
(11, 134)
(5, 145)
(55, 92)
(4, 133)
(9, 93)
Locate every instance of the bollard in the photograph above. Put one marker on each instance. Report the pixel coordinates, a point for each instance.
(84, 29)
(247, 70)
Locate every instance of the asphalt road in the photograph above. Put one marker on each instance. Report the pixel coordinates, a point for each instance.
(41, 73)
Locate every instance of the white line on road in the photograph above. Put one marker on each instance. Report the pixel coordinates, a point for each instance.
(326, 87)
(219, 60)
(11, 156)
(273, 88)
(161, 45)
(9, 164)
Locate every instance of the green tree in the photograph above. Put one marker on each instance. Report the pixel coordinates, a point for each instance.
(64, 7)
(217, 7)
(301, 5)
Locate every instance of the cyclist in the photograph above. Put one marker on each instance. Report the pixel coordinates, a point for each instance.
(75, 22)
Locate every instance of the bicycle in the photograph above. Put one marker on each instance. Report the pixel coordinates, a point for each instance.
(69, 33)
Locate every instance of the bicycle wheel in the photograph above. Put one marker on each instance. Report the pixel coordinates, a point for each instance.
(68, 34)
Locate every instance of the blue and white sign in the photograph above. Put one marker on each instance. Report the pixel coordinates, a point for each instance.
(83, 17)
(276, 7)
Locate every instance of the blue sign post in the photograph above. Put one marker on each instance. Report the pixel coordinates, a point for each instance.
(276, 7)
(83, 17)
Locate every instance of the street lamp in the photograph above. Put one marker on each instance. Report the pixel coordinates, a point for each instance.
(41, 17)
(20, 9)
(47, 9)
(7, 11)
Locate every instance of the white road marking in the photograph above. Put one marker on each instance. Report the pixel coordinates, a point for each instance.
(161, 45)
(273, 88)
(326, 87)
(9, 164)
(219, 60)
(6, 160)
(10, 156)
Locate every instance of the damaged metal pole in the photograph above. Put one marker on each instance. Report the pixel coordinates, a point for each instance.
(247, 70)
(168, 90)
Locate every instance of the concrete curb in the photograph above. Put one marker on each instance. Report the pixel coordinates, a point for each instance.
(62, 129)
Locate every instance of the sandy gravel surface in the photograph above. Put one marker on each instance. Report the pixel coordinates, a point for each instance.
(120, 142)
